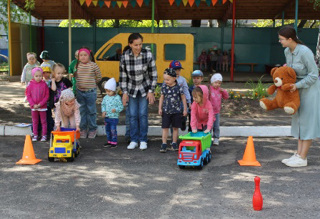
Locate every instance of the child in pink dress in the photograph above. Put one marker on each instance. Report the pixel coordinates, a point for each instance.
(202, 116)
(202, 59)
(216, 94)
(37, 96)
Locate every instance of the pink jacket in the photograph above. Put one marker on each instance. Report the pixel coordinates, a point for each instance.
(202, 115)
(60, 117)
(37, 93)
(215, 98)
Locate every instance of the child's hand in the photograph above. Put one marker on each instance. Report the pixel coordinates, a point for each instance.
(185, 113)
(221, 90)
(113, 110)
(205, 110)
(104, 114)
(77, 128)
(194, 130)
(36, 106)
(206, 131)
(160, 112)
(58, 128)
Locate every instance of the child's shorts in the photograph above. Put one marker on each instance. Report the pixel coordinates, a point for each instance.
(171, 119)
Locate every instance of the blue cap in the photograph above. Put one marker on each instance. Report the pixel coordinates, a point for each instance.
(175, 64)
(197, 73)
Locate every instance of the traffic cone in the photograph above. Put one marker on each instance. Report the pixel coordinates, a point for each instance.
(249, 156)
(28, 156)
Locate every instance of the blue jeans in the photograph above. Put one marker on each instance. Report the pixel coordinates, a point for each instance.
(88, 109)
(138, 109)
(127, 122)
(111, 129)
(216, 126)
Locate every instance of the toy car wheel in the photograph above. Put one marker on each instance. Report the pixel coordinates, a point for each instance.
(181, 167)
(50, 159)
(71, 159)
(210, 156)
(201, 165)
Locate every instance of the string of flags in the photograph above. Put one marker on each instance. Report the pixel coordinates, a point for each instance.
(114, 3)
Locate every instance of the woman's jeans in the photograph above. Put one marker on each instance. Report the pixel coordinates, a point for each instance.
(88, 109)
(138, 109)
(111, 129)
(216, 127)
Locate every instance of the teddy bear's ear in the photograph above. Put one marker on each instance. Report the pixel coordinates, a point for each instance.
(273, 70)
(291, 73)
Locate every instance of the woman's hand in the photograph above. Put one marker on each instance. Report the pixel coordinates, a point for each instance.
(125, 99)
(293, 88)
(151, 98)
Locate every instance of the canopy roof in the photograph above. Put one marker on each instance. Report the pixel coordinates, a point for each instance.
(245, 9)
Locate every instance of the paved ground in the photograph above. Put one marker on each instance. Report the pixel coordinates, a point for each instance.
(117, 183)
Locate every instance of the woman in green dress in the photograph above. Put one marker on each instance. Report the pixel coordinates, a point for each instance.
(305, 125)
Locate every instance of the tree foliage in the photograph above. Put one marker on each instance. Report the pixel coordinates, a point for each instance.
(278, 23)
(115, 23)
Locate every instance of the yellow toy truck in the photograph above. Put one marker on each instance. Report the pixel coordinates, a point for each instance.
(64, 145)
(180, 45)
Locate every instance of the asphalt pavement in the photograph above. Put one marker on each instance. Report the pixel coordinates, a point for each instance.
(118, 183)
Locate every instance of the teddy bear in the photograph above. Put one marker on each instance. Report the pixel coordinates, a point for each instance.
(283, 77)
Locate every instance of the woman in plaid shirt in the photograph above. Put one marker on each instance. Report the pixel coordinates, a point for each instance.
(138, 79)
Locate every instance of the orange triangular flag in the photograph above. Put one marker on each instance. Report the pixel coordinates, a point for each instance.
(108, 3)
(119, 3)
(95, 2)
(88, 2)
(28, 156)
(171, 2)
(125, 3)
(191, 2)
(140, 2)
(224, 1)
(214, 2)
(82, 1)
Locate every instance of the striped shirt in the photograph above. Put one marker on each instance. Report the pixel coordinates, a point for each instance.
(137, 73)
(88, 75)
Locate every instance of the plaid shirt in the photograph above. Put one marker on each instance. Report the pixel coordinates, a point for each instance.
(137, 73)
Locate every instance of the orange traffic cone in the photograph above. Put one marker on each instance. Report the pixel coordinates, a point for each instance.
(28, 156)
(249, 156)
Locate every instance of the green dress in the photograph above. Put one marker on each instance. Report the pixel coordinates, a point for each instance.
(305, 123)
(71, 70)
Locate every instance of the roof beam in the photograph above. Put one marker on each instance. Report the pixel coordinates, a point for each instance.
(287, 5)
(227, 13)
(21, 5)
(82, 12)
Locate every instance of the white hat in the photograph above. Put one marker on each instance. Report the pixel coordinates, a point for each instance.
(67, 95)
(216, 77)
(111, 84)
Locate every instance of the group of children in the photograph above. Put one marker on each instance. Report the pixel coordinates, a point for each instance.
(215, 60)
(47, 90)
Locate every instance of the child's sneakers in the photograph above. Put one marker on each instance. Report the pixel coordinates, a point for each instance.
(174, 146)
(163, 148)
(106, 145)
(216, 141)
(92, 134)
(83, 134)
(44, 138)
(35, 138)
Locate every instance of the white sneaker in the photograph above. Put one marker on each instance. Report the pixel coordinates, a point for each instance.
(297, 162)
(132, 145)
(143, 145)
(294, 156)
(216, 141)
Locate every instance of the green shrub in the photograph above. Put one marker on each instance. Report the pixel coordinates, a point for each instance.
(257, 90)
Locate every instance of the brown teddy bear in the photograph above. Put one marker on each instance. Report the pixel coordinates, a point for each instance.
(283, 77)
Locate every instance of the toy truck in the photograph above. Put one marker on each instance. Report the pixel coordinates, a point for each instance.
(194, 150)
(64, 145)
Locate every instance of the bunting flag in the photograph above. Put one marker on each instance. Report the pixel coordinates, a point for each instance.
(224, 1)
(125, 3)
(119, 3)
(108, 3)
(95, 2)
(185, 2)
(133, 3)
(198, 3)
(191, 2)
(88, 2)
(113, 4)
(140, 2)
(101, 3)
(214, 2)
(146, 2)
(208, 2)
(171, 2)
(81, 2)
(178, 2)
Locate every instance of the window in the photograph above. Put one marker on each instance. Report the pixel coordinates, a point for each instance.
(175, 51)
